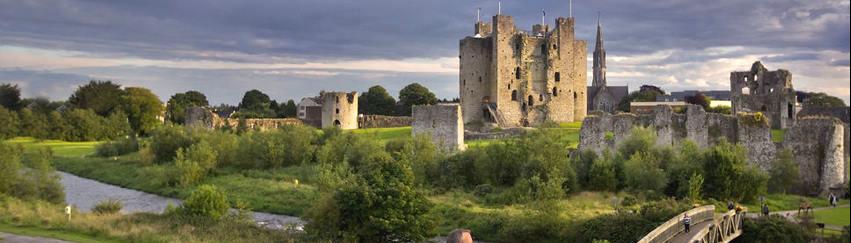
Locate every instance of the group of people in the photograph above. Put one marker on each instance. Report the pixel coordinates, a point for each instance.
(832, 198)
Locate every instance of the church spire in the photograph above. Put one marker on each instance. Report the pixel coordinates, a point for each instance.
(599, 58)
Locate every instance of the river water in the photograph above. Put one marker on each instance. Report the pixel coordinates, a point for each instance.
(84, 194)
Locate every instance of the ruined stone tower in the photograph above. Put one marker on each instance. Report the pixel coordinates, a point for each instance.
(514, 78)
(340, 109)
(769, 92)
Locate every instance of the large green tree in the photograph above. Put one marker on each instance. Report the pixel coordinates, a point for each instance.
(8, 123)
(415, 94)
(376, 101)
(288, 109)
(142, 107)
(728, 176)
(823, 100)
(646, 93)
(256, 104)
(177, 104)
(10, 96)
(102, 97)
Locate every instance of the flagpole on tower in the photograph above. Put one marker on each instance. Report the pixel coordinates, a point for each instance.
(543, 21)
(498, 7)
(478, 15)
(570, 9)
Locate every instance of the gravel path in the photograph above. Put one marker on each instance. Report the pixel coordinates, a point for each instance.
(85, 193)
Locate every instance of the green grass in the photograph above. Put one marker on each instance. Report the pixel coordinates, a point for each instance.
(386, 134)
(573, 125)
(785, 202)
(60, 148)
(777, 135)
(53, 234)
(834, 216)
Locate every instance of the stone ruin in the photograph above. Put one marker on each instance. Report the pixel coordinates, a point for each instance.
(443, 122)
(201, 117)
(819, 153)
(769, 92)
(340, 109)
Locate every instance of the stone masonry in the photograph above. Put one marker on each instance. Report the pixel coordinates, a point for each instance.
(443, 122)
(769, 92)
(200, 117)
(816, 142)
(340, 109)
(516, 78)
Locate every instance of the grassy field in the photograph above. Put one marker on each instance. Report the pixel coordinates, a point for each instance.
(53, 234)
(60, 148)
(785, 202)
(834, 216)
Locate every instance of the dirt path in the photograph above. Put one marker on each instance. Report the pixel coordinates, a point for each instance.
(12, 238)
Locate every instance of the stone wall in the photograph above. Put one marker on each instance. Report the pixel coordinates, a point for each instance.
(769, 92)
(817, 144)
(444, 122)
(197, 116)
(602, 131)
(378, 121)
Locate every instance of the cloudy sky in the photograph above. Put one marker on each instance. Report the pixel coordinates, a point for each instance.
(294, 48)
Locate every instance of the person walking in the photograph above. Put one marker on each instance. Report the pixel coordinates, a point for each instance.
(765, 209)
(832, 198)
(730, 205)
(687, 222)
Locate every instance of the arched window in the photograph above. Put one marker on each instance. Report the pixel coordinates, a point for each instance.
(531, 101)
(541, 98)
(517, 72)
(574, 95)
(480, 79)
(509, 86)
(555, 92)
(558, 76)
(555, 47)
(337, 110)
(337, 99)
(514, 95)
(337, 123)
(463, 82)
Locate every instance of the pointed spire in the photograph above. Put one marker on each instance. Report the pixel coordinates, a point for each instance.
(599, 44)
(599, 69)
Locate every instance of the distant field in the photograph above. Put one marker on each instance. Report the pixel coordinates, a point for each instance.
(785, 202)
(386, 134)
(60, 148)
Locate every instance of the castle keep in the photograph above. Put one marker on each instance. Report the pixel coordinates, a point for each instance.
(517, 78)
(769, 92)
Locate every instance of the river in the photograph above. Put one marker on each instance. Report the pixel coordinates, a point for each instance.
(84, 194)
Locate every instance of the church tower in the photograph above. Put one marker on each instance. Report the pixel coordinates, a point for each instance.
(599, 58)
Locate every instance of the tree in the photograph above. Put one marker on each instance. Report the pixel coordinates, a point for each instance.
(602, 174)
(643, 173)
(256, 104)
(10, 165)
(376, 101)
(41, 105)
(645, 94)
(823, 100)
(207, 201)
(415, 94)
(10, 96)
(84, 125)
(33, 124)
(8, 123)
(728, 176)
(784, 172)
(142, 107)
(178, 103)
(58, 126)
(699, 99)
(288, 109)
(380, 205)
(102, 97)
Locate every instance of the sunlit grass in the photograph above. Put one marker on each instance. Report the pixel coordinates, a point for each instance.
(386, 134)
(777, 135)
(60, 148)
(834, 216)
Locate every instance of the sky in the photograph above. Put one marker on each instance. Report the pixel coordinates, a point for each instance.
(294, 48)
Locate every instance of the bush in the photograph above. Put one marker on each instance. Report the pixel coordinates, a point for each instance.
(775, 229)
(603, 175)
(117, 147)
(8, 123)
(728, 176)
(783, 172)
(643, 173)
(166, 140)
(195, 162)
(108, 206)
(287, 146)
(207, 201)
(10, 165)
(43, 176)
(380, 205)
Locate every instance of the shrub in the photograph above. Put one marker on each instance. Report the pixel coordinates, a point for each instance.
(45, 181)
(783, 172)
(84, 125)
(117, 147)
(166, 140)
(8, 123)
(603, 175)
(380, 205)
(10, 164)
(206, 201)
(289, 145)
(728, 176)
(581, 161)
(195, 162)
(350, 149)
(643, 173)
(423, 155)
(775, 229)
(108, 206)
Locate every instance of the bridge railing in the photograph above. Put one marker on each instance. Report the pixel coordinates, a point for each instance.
(674, 226)
(726, 228)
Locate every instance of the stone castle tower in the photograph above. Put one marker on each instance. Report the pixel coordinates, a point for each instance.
(339, 109)
(514, 78)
